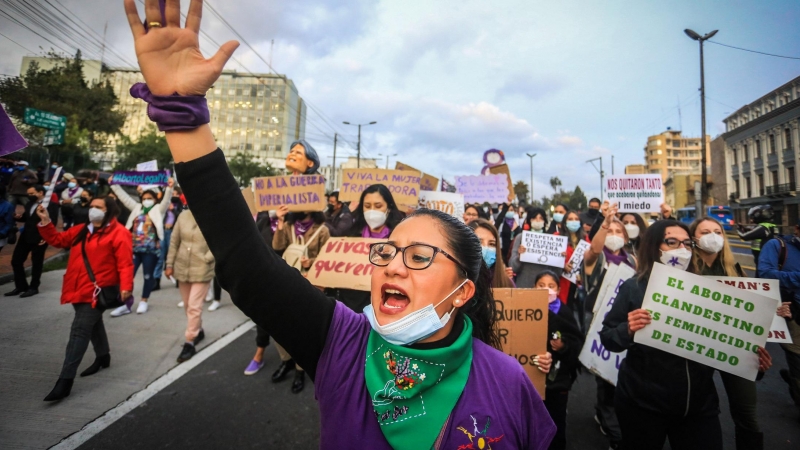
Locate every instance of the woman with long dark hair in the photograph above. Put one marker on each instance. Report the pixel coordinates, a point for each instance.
(559, 219)
(526, 273)
(428, 331)
(109, 249)
(635, 226)
(660, 395)
(573, 230)
(490, 246)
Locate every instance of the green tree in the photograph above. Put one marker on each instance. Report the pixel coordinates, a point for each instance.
(521, 191)
(577, 199)
(245, 167)
(151, 145)
(555, 183)
(90, 113)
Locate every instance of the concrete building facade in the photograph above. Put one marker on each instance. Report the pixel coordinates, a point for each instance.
(635, 169)
(762, 152)
(670, 152)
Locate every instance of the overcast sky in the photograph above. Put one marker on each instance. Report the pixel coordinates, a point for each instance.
(446, 80)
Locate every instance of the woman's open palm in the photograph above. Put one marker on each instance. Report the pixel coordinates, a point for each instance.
(169, 56)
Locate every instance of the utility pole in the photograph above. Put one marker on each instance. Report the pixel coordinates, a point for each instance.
(333, 172)
(612, 164)
(600, 170)
(387, 159)
(358, 149)
(703, 162)
(531, 157)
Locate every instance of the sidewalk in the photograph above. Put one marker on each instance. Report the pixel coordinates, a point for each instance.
(33, 338)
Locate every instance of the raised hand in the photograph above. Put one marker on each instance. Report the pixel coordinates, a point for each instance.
(169, 56)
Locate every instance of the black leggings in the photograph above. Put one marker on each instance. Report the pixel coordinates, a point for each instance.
(644, 430)
(556, 404)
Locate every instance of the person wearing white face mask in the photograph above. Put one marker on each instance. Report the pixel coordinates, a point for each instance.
(146, 223)
(565, 341)
(525, 272)
(69, 196)
(660, 395)
(635, 226)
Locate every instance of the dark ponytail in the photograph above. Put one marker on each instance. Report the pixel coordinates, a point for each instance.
(466, 248)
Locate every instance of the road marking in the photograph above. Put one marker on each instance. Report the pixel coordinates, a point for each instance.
(96, 426)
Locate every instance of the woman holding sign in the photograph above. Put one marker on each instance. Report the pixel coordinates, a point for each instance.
(536, 220)
(429, 329)
(573, 230)
(661, 395)
(713, 256)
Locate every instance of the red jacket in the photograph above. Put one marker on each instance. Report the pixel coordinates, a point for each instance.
(110, 252)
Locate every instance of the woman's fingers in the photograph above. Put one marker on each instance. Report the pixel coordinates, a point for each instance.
(133, 19)
(172, 13)
(224, 54)
(152, 12)
(194, 15)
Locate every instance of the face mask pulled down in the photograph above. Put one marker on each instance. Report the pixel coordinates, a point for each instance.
(414, 327)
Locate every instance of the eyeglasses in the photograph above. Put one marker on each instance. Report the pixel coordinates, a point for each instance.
(470, 215)
(415, 256)
(676, 243)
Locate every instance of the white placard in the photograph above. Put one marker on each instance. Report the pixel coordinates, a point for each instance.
(594, 356)
(149, 166)
(577, 260)
(779, 331)
(49, 193)
(635, 193)
(706, 321)
(545, 249)
(446, 202)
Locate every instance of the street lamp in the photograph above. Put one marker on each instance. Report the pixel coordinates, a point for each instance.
(387, 158)
(358, 162)
(703, 171)
(531, 157)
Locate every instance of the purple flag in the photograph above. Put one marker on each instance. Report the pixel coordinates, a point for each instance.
(137, 178)
(10, 139)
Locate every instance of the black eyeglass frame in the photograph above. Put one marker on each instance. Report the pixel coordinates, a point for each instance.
(398, 249)
(691, 243)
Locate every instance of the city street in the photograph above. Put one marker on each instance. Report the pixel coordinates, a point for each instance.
(213, 405)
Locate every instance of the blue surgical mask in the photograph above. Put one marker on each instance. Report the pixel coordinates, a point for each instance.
(558, 217)
(573, 225)
(414, 327)
(71, 185)
(510, 215)
(489, 255)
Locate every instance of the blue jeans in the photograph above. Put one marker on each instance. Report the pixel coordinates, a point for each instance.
(163, 255)
(149, 261)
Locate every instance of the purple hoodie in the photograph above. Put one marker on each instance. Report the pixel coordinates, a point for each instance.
(499, 404)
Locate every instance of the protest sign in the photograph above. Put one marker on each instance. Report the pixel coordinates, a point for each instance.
(147, 180)
(10, 139)
(483, 188)
(446, 202)
(577, 260)
(594, 356)
(343, 263)
(543, 248)
(250, 199)
(49, 193)
(702, 320)
(635, 193)
(404, 185)
(426, 183)
(148, 166)
(522, 326)
(779, 331)
(502, 169)
(297, 192)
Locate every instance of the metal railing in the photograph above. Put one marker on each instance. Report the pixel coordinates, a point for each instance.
(779, 189)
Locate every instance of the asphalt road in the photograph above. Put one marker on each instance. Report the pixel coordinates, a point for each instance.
(215, 406)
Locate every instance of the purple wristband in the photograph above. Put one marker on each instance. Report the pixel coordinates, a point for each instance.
(174, 112)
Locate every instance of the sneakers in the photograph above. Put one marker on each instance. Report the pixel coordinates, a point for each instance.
(187, 352)
(121, 311)
(142, 308)
(253, 367)
(210, 293)
(180, 304)
(200, 336)
(214, 305)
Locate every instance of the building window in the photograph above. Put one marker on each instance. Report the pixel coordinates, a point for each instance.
(747, 186)
(771, 144)
(774, 174)
(735, 157)
(738, 191)
(758, 149)
(790, 176)
(744, 153)
(761, 183)
(787, 137)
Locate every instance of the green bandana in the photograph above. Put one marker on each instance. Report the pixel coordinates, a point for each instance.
(414, 391)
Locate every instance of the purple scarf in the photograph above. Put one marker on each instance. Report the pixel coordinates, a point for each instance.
(302, 226)
(73, 191)
(554, 306)
(383, 234)
(616, 259)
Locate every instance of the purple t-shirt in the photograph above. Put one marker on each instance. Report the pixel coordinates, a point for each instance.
(499, 404)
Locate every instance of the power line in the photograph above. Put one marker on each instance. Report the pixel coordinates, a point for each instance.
(754, 51)
(13, 19)
(26, 48)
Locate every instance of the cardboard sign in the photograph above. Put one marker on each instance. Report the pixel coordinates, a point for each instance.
(250, 199)
(404, 185)
(502, 169)
(483, 188)
(298, 192)
(577, 260)
(702, 320)
(779, 331)
(594, 356)
(543, 248)
(343, 263)
(635, 193)
(146, 180)
(522, 324)
(426, 183)
(446, 202)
